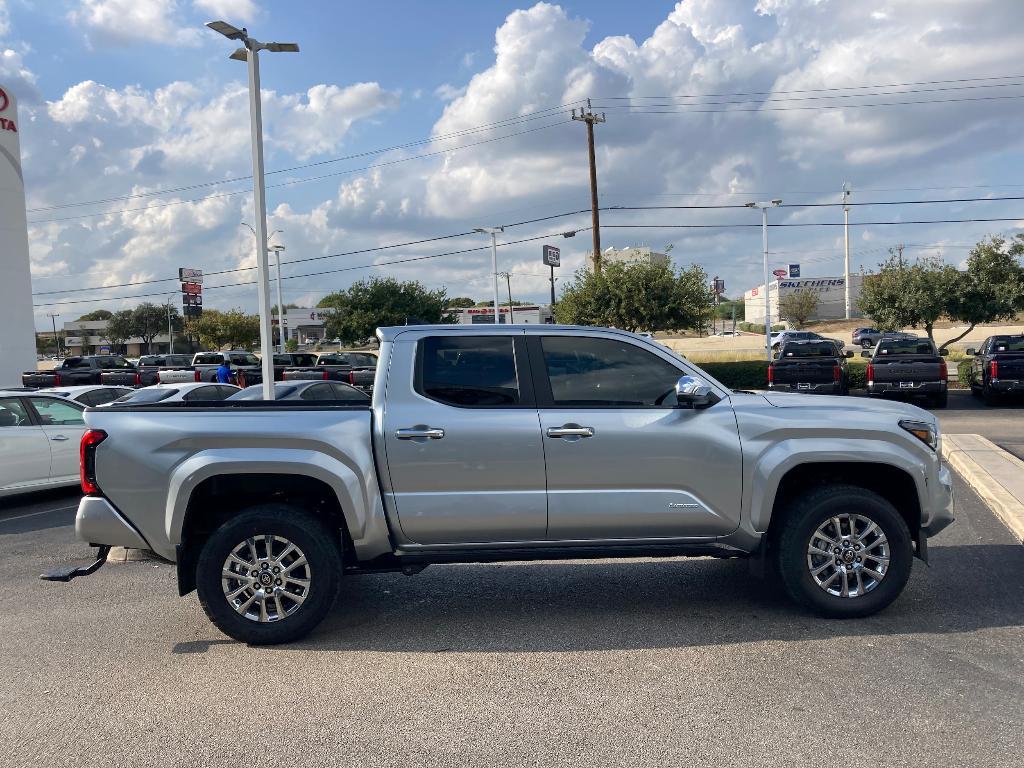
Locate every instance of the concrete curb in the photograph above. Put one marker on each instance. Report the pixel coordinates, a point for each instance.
(994, 474)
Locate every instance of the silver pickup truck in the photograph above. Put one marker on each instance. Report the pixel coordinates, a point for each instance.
(487, 444)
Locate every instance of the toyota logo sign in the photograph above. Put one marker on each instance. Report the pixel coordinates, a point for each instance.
(5, 101)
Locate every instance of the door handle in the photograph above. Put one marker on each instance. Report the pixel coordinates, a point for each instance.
(570, 431)
(59, 438)
(412, 433)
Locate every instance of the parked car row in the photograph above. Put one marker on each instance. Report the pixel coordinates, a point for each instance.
(355, 368)
(997, 370)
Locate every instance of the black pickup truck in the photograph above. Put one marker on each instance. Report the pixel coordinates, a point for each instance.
(149, 366)
(90, 369)
(283, 363)
(811, 367)
(356, 368)
(997, 370)
(908, 368)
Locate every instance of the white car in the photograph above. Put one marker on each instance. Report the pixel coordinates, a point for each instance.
(39, 438)
(89, 394)
(175, 393)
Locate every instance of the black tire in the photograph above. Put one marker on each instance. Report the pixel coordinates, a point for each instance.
(988, 396)
(941, 400)
(322, 550)
(811, 510)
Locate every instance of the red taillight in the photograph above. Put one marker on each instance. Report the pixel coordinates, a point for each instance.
(837, 373)
(138, 379)
(771, 374)
(56, 379)
(993, 370)
(352, 378)
(87, 460)
(325, 377)
(871, 373)
(196, 376)
(943, 371)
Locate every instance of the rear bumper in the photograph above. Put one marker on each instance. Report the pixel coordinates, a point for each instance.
(940, 507)
(917, 388)
(828, 388)
(97, 522)
(1007, 385)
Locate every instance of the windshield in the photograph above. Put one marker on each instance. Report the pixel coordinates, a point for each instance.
(148, 395)
(1009, 344)
(255, 392)
(906, 347)
(354, 359)
(810, 349)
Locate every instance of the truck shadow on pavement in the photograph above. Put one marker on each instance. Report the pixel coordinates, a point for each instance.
(594, 606)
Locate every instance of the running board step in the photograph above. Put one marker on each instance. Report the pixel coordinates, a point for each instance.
(66, 573)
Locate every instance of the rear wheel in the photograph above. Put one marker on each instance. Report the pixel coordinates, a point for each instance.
(269, 575)
(844, 552)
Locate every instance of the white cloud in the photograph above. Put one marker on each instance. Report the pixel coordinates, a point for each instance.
(126, 22)
(449, 92)
(5, 20)
(231, 11)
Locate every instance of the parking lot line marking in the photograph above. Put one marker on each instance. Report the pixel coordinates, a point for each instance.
(34, 514)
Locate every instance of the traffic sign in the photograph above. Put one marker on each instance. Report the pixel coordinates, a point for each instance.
(551, 256)
(794, 270)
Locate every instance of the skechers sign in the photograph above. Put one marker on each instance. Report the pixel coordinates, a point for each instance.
(810, 284)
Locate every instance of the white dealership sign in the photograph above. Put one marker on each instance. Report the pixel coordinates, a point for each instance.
(17, 341)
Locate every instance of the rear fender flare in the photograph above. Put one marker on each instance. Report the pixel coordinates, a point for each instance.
(347, 485)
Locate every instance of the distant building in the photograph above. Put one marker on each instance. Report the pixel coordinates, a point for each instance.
(831, 297)
(636, 254)
(531, 315)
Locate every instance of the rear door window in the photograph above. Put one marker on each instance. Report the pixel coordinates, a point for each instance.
(53, 412)
(209, 359)
(13, 413)
(469, 371)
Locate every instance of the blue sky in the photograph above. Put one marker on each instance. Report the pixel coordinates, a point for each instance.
(135, 98)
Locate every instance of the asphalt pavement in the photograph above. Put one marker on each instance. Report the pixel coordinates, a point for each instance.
(639, 663)
(1003, 424)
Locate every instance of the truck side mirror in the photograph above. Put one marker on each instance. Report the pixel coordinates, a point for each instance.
(971, 351)
(943, 352)
(865, 353)
(693, 392)
(848, 353)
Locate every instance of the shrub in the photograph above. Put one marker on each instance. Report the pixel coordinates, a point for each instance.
(963, 373)
(746, 374)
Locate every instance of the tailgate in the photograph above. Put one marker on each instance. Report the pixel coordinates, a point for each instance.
(906, 370)
(804, 372)
(39, 379)
(120, 378)
(1010, 366)
(306, 374)
(177, 376)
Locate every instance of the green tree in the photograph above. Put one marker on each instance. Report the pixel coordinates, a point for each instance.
(920, 294)
(210, 329)
(120, 328)
(380, 301)
(291, 345)
(148, 321)
(97, 314)
(637, 297)
(459, 302)
(798, 307)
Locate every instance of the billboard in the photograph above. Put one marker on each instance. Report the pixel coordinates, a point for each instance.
(551, 256)
(18, 348)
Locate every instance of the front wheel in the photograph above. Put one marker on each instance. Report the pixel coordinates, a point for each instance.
(844, 552)
(269, 575)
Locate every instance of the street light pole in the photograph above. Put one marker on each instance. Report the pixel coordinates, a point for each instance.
(282, 330)
(846, 239)
(250, 54)
(170, 329)
(508, 284)
(493, 232)
(767, 291)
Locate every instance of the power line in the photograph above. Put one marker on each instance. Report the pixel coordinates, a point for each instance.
(323, 272)
(806, 224)
(359, 251)
(685, 108)
(539, 114)
(823, 90)
(305, 180)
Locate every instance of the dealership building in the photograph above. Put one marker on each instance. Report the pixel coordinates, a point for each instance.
(831, 297)
(530, 315)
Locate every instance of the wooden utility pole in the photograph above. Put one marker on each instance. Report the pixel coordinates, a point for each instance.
(587, 116)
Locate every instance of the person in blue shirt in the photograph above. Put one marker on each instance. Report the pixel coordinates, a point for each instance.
(224, 372)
